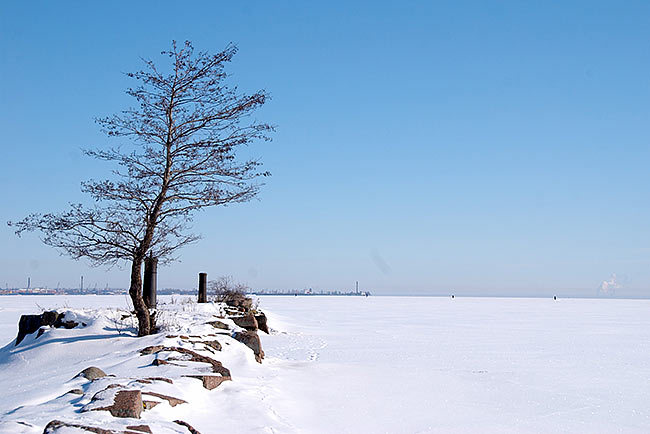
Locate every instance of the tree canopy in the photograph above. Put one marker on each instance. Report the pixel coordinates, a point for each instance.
(183, 136)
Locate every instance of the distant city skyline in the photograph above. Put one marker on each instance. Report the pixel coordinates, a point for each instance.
(422, 147)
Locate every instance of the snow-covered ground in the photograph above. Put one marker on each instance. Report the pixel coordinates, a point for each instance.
(400, 365)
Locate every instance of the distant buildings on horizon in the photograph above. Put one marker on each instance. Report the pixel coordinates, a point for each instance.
(78, 291)
(164, 291)
(309, 292)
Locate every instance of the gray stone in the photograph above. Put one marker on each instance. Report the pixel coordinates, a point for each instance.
(92, 373)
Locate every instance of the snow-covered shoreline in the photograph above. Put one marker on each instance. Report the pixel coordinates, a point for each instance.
(171, 375)
(414, 365)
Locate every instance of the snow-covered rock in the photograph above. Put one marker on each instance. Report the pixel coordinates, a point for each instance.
(160, 379)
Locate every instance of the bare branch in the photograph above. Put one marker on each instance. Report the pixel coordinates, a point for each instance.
(185, 130)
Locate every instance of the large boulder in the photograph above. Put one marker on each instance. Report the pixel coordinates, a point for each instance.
(28, 324)
(126, 403)
(261, 322)
(252, 341)
(247, 321)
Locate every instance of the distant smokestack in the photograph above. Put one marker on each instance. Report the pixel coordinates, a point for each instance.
(29, 282)
(82, 283)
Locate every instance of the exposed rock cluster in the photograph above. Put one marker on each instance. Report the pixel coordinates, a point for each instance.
(244, 316)
(130, 397)
(28, 324)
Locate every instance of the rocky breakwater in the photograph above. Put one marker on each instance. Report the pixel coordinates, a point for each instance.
(152, 383)
(239, 309)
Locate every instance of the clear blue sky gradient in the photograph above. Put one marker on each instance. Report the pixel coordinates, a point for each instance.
(473, 147)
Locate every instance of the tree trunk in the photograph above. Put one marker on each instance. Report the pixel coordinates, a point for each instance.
(135, 291)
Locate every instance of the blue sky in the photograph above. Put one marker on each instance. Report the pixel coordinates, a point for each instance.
(490, 148)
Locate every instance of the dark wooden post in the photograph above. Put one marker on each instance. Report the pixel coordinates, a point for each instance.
(203, 287)
(150, 282)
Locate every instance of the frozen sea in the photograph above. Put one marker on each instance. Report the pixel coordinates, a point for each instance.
(439, 365)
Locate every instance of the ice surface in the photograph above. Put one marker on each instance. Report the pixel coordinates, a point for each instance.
(385, 365)
(411, 365)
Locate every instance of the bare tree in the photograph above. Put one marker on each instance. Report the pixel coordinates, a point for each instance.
(234, 294)
(181, 158)
(224, 287)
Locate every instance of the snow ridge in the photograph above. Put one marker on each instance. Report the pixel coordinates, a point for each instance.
(176, 381)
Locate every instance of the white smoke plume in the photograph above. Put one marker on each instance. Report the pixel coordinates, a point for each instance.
(609, 287)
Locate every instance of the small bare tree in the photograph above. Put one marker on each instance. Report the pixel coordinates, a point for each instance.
(184, 134)
(226, 290)
(225, 286)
